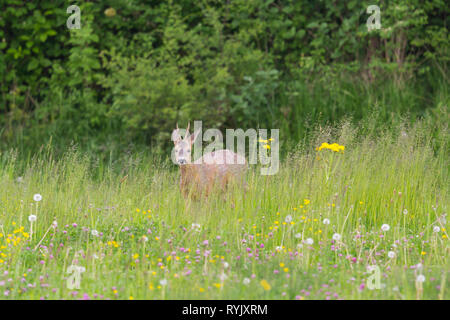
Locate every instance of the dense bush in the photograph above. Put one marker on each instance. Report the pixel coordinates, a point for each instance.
(135, 68)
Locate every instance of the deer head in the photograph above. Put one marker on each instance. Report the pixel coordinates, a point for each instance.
(183, 146)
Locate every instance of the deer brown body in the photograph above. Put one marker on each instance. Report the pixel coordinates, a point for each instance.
(213, 171)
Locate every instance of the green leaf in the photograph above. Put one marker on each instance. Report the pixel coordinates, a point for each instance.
(34, 63)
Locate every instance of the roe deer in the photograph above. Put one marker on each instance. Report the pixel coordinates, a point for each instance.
(215, 169)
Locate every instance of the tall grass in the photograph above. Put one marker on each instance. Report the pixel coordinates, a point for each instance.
(154, 244)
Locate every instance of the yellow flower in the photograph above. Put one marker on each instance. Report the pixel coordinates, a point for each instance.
(217, 285)
(266, 146)
(423, 253)
(333, 147)
(265, 285)
(131, 298)
(135, 256)
(201, 290)
(306, 201)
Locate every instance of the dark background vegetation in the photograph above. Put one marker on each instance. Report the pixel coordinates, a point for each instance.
(135, 68)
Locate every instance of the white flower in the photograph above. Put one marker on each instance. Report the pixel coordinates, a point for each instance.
(391, 254)
(420, 278)
(226, 265)
(288, 219)
(309, 241)
(436, 229)
(95, 256)
(385, 227)
(144, 238)
(32, 218)
(326, 221)
(196, 227)
(37, 197)
(19, 179)
(336, 237)
(223, 277)
(246, 281)
(81, 269)
(278, 249)
(405, 211)
(94, 233)
(299, 246)
(298, 235)
(163, 282)
(55, 224)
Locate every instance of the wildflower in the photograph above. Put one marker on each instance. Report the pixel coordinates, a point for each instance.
(37, 197)
(391, 254)
(298, 235)
(306, 201)
(144, 238)
(334, 147)
(163, 282)
(32, 218)
(436, 229)
(94, 233)
(326, 221)
(196, 227)
(420, 278)
(336, 237)
(55, 224)
(265, 285)
(405, 211)
(246, 281)
(309, 241)
(385, 227)
(226, 265)
(288, 219)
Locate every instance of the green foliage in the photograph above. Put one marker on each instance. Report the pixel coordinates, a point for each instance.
(136, 68)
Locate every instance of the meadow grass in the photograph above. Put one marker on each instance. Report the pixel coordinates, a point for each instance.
(128, 225)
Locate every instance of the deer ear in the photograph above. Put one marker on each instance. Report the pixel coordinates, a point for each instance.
(176, 135)
(194, 136)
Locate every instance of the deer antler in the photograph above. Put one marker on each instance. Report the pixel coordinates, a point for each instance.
(187, 131)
